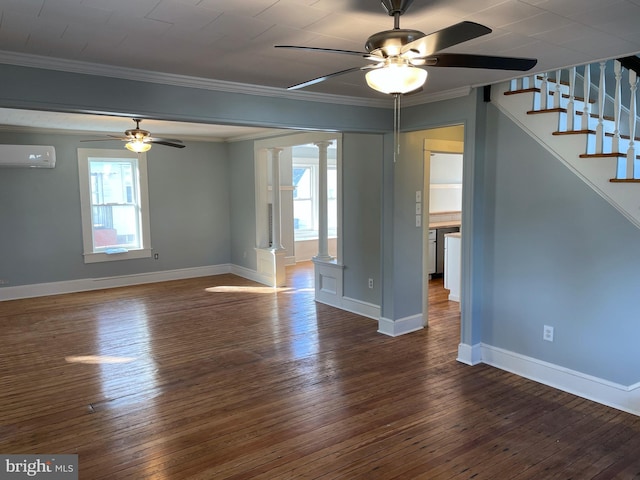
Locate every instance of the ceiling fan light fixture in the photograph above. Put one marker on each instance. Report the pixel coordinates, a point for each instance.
(138, 146)
(396, 78)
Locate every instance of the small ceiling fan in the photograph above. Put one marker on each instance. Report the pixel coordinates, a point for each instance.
(139, 140)
(399, 56)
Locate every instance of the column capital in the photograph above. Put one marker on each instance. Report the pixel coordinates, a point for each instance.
(323, 144)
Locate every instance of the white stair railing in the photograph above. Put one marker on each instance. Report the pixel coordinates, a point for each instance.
(611, 143)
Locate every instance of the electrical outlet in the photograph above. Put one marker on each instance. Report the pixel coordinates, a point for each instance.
(156, 256)
(371, 283)
(547, 333)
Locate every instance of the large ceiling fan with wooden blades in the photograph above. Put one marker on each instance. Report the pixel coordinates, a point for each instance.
(399, 57)
(139, 140)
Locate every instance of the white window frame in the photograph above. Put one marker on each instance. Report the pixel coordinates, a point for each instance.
(91, 256)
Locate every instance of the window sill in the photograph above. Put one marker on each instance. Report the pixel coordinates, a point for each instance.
(111, 257)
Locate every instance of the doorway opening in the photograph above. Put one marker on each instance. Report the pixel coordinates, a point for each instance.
(443, 180)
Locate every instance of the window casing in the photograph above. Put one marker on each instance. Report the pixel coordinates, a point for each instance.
(114, 205)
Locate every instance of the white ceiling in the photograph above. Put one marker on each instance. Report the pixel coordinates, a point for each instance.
(232, 40)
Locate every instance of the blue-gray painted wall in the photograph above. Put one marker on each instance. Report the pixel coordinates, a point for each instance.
(41, 239)
(541, 247)
(557, 254)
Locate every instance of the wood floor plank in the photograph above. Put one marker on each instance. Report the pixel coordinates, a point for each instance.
(222, 378)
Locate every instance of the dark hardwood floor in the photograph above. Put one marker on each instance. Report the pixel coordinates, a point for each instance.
(221, 378)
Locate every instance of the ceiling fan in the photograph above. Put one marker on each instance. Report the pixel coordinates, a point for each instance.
(399, 56)
(139, 140)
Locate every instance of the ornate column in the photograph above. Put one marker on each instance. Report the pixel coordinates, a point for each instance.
(323, 224)
(271, 262)
(276, 224)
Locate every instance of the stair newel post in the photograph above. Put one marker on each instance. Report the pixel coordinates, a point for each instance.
(617, 68)
(571, 105)
(631, 152)
(557, 93)
(586, 110)
(600, 127)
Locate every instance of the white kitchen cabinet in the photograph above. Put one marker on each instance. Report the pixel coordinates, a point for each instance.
(452, 252)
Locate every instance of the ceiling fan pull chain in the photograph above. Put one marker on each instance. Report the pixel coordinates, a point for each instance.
(396, 126)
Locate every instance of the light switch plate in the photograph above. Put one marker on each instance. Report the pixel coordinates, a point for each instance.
(418, 220)
(418, 196)
(418, 209)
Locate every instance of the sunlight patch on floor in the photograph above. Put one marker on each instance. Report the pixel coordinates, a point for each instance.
(239, 289)
(97, 359)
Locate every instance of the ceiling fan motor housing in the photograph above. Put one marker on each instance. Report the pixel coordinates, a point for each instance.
(390, 42)
(137, 133)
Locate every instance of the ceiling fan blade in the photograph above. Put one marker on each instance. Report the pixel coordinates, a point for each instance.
(167, 141)
(110, 138)
(162, 139)
(447, 37)
(326, 50)
(325, 77)
(481, 61)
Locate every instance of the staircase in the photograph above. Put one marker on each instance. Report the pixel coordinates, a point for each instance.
(587, 118)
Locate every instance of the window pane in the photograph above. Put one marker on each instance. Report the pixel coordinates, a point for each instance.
(332, 183)
(302, 182)
(303, 215)
(114, 209)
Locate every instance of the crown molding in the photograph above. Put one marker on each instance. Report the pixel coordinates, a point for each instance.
(87, 68)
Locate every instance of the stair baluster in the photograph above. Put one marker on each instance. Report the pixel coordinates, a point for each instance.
(631, 152)
(600, 127)
(586, 110)
(544, 92)
(571, 106)
(557, 94)
(615, 146)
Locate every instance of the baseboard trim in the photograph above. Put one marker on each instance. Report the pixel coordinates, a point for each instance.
(359, 307)
(470, 354)
(402, 326)
(87, 284)
(251, 275)
(621, 397)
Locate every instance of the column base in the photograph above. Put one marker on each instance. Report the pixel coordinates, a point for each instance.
(323, 258)
(271, 265)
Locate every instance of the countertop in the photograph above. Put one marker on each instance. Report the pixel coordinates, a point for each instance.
(445, 224)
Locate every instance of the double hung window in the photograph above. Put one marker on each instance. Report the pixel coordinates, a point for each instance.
(114, 205)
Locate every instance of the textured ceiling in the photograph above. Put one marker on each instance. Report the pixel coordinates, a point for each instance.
(232, 40)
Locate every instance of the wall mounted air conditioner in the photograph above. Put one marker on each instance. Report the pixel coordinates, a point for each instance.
(35, 156)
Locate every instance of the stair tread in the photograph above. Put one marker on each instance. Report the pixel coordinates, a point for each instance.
(624, 136)
(603, 155)
(625, 180)
(564, 110)
(574, 132)
(547, 110)
(537, 90)
(522, 90)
